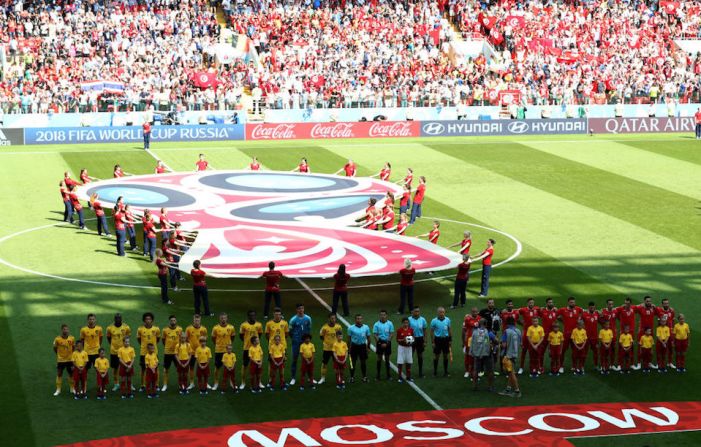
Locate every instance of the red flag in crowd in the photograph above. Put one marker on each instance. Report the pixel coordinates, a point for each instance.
(669, 7)
(516, 21)
(204, 79)
(487, 21)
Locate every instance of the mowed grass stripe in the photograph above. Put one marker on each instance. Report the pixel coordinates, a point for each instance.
(661, 171)
(662, 212)
(685, 148)
(587, 239)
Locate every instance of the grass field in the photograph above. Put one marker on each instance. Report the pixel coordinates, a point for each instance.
(598, 217)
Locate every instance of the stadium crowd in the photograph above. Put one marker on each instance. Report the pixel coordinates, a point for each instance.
(339, 53)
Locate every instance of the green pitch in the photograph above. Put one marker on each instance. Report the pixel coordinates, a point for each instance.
(598, 217)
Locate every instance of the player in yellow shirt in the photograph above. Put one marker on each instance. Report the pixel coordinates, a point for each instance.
(535, 336)
(171, 338)
(663, 344)
(115, 337)
(646, 343)
(91, 336)
(340, 358)
(605, 346)
(102, 371)
(229, 361)
(80, 371)
(249, 329)
(579, 349)
(307, 351)
(126, 355)
(625, 350)
(63, 347)
(222, 335)
(194, 332)
(328, 337)
(203, 355)
(555, 342)
(276, 350)
(151, 360)
(183, 352)
(255, 355)
(681, 342)
(148, 333)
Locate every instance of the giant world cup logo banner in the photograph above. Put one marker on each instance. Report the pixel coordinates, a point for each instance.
(302, 222)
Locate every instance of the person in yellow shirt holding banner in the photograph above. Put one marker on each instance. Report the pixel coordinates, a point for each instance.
(63, 347)
(203, 355)
(328, 337)
(222, 336)
(555, 341)
(255, 356)
(536, 336)
(229, 362)
(340, 357)
(183, 353)
(605, 346)
(663, 344)
(126, 355)
(681, 342)
(145, 335)
(102, 369)
(194, 332)
(151, 360)
(277, 363)
(80, 371)
(249, 329)
(646, 343)
(91, 336)
(579, 351)
(115, 337)
(625, 350)
(171, 338)
(307, 350)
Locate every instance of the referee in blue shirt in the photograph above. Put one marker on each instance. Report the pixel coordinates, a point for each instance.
(359, 341)
(383, 331)
(441, 338)
(419, 325)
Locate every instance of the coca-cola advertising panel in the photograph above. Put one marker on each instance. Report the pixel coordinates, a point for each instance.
(365, 129)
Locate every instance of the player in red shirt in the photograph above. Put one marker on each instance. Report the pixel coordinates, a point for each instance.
(201, 164)
(199, 288)
(163, 266)
(406, 286)
(591, 318)
(254, 165)
(626, 317)
(384, 173)
(303, 167)
(161, 168)
(418, 200)
(434, 234)
(349, 168)
(569, 316)
(471, 321)
(486, 257)
(272, 287)
(610, 314)
(548, 317)
(100, 215)
(509, 311)
(461, 278)
(697, 120)
(666, 310)
(527, 315)
(340, 290)
(647, 312)
(405, 200)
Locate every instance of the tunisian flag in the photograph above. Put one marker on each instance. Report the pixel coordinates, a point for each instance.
(204, 79)
(516, 21)
(487, 22)
(669, 7)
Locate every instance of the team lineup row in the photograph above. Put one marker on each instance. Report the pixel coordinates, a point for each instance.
(187, 350)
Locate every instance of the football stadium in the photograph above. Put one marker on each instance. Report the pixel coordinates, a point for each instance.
(353, 222)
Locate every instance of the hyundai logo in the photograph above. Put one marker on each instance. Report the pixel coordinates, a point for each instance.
(434, 128)
(518, 127)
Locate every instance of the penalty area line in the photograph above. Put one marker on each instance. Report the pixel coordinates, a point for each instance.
(413, 385)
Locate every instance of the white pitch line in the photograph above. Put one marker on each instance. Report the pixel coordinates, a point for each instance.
(413, 385)
(148, 151)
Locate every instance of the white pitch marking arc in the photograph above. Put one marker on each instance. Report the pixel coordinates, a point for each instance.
(11, 265)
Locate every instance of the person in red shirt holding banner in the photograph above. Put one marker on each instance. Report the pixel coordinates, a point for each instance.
(697, 120)
(254, 165)
(100, 216)
(303, 167)
(146, 130)
(84, 177)
(527, 315)
(408, 179)
(405, 200)
(591, 318)
(161, 168)
(162, 266)
(130, 221)
(272, 288)
(349, 168)
(406, 286)
(149, 227)
(165, 224)
(626, 316)
(569, 316)
(386, 220)
(610, 314)
(471, 321)
(465, 244)
(68, 180)
(120, 228)
(67, 207)
(384, 173)
(76, 206)
(117, 172)
(434, 234)
(461, 278)
(340, 290)
(199, 288)
(201, 164)
(401, 226)
(486, 258)
(418, 200)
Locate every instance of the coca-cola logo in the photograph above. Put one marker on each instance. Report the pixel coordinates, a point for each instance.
(395, 129)
(336, 130)
(275, 132)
